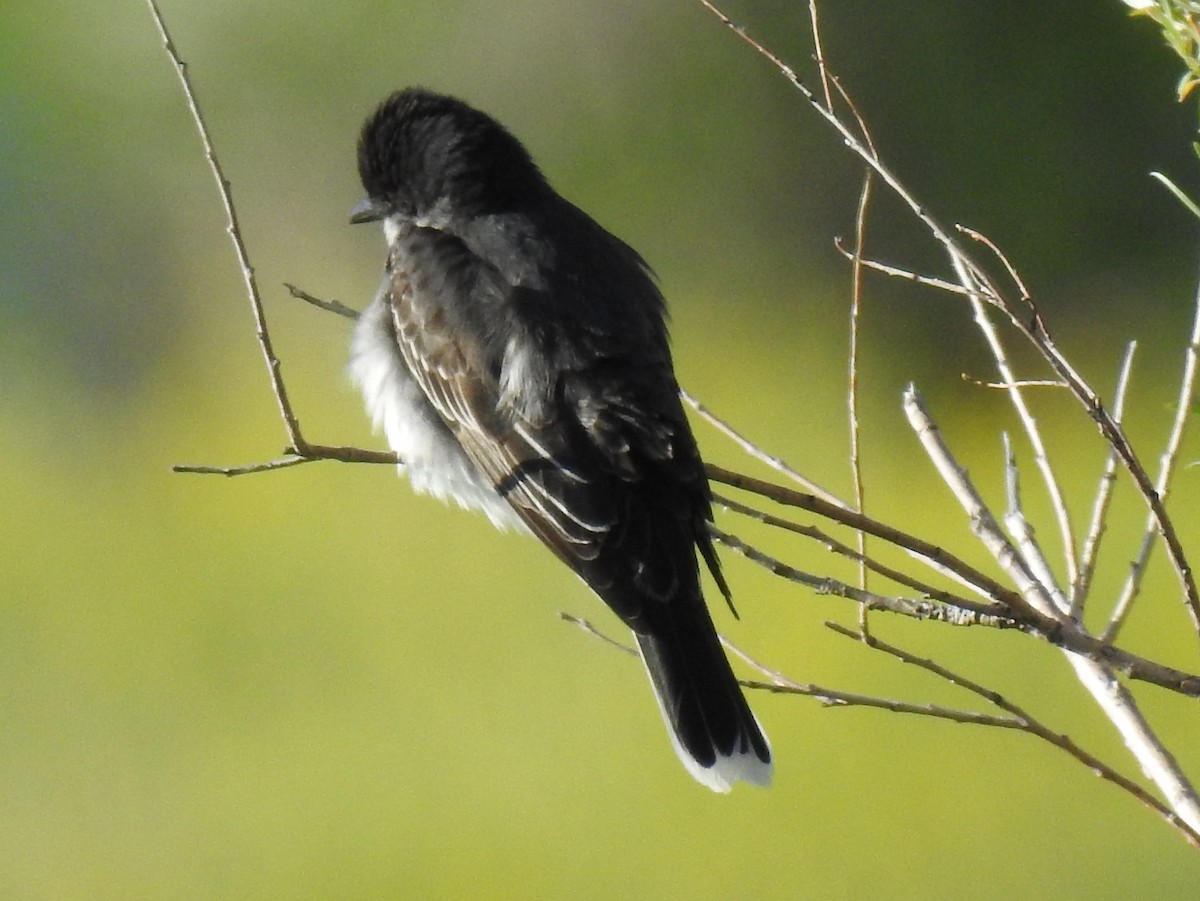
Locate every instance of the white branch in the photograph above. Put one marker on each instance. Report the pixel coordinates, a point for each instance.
(1170, 455)
(1108, 481)
(1113, 698)
(1022, 531)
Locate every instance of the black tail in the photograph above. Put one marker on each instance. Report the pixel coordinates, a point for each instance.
(712, 727)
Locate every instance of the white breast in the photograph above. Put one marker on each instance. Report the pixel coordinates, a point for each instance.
(433, 460)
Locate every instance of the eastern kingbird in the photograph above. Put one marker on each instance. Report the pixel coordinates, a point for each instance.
(516, 357)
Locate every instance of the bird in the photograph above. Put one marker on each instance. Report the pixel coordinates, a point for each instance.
(516, 358)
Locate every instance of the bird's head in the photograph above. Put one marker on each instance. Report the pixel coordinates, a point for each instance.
(424, 156)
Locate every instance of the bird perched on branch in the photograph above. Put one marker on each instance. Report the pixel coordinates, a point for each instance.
(516, 358)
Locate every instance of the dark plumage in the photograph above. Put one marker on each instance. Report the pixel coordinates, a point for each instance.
(517, 358)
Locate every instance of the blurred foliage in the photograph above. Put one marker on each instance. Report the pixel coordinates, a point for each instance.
(312, 683)
(1178, 20)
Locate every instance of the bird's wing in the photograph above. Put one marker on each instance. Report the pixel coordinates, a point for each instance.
(581, 476)
(540, 469)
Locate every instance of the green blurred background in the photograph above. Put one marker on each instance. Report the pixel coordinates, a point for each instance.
(314, 684)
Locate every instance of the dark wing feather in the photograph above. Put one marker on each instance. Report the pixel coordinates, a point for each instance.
(548, 482)
(606, 473)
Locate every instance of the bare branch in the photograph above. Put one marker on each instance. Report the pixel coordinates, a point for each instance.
(910, 607)
(1022, 532)
(274, 367)
(331, 306)
(815, 30)
(907, 275)
(856, 276)
(981, 290)
(1025, 297)
(1108, 480)
(774, 675)
(831, 697)
(1112, 697)
(295, 456)
(922, 549)
(596, 633)
(1030, 424)
(758, 453)
(1152, 755)
(983, 523)
(1026, 722)
(1115, 435)
(1170, 455)
(248, 469)
(900, 578)
(1020, 383)
(1050, 628)
(1024, 414)
(852, 140)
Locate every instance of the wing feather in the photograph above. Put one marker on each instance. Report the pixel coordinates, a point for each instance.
(549, 484)
(603, 470)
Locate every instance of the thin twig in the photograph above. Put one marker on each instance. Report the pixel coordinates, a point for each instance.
(1020, 383)
(1115, 435)
(867, 154)
(983, 522)
(839, 513)
(969, 277)
(907, 275)
(856, 274)
(1026, 722)
(900, 578)
(1028, 421)
(311, 453)
(856, 280)
(773, 674)
(1096, 676)
(1051, 629)
(1170, 455)
(818, 53)
(331, 306)
(596, 633)
(946, 570)
(274, 368)
(247, 469)
(979, 287)
(758, 453)
(921, 609)
(1104, 492)
(831, 697)
(1025, 297)
(1022, 531)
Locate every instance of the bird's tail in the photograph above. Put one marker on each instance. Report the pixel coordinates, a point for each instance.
(712, 728)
